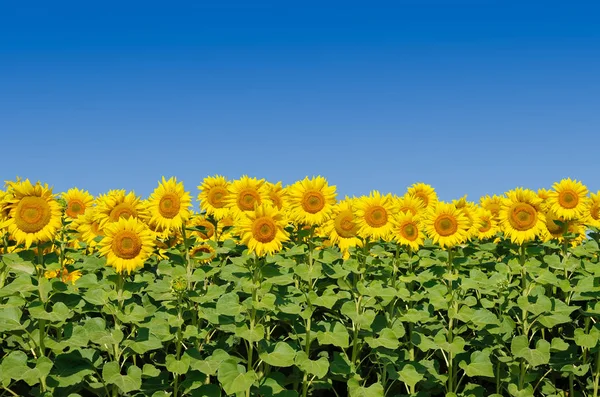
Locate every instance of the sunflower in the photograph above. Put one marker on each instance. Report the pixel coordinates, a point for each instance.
(469, 210)
(492, 204)
(262, 230)
(446, 225)
(341, 229)
(169, 205)
(77, 201)
(568, 199)
(117, 204)
(127, 244)
(374, 215)
(245, 193)
(310, 201)
(225, 228)
(277, 195)
(592, 213)
(557, 227)
(407, 230)
(214, 191)
(4, 205)
(203, 252)
(34, 214)
(88, 227)
(199, 221)
(425, 193)
(410, 203)
(64, 275)
(521, 217)
(487, 224)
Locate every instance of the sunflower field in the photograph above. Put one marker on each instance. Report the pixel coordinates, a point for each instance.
(271, 290)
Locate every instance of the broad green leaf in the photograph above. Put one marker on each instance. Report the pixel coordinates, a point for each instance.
(535, 357)
(251, 335)
(234, 378)
(410, 376)
(281, 355)
(10, 319)
(387, 338)
(355, 390)
(335, 334)
(177, 366)
(126, 383)
(480, 365)
(315, 367)
(588, 341)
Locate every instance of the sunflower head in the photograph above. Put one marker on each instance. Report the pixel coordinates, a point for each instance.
(591, 215)
(492, 204)
(127, 244)
(88, 228)
(76, 202)
(487, 225)
(521, 218)
(117, 204)
(425, 193)
(446, 225)
(203, 252)
(169, 205)
(262, 230)
(410, 203)
(214, 192)
(310, 201)
(207, 227)
(245, 193)
(341, 229)
(34, 214)
(374, 216)
(407, 230)
(568, 199)
(277, 194)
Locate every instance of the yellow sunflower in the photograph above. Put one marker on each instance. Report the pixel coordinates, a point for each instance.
(568, 199)
(203, 252)
(225, 228)
(310, 201)
(407, 230)
(469, 209)
(77, 201)
(200, 221)
(64, 275)
(117, 204)
(88, 228)
(214, 191)
(277, 194)
(169, 205)
(492, 204)
(341, 229)
(425, 193)
(410, 203)
(521, 217)
(592, 213)
(262, 230)
(34, 214)
(487, 224)
(245, 193)
(446, 225)
(127, 245)
(374, 216)
(556, 228)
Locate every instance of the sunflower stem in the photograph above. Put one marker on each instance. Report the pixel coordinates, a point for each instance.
(451, 375)
(187, 257)
(524, 287)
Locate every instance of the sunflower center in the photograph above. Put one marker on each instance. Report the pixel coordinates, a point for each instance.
(209, 230)
(485, 226)
(33, 214)
(169, 205)
(568, 199)
(595, 212)
(216, 196)
(313, 202)
(126, 244)
(522, 216)
(494, 208)
(276, 199)
(247, 198)
(446, 225)
(376, 216)
(264, 230)
(344, 224)
(409, 231)
(423, 197)
(122, 210)
(75, 208)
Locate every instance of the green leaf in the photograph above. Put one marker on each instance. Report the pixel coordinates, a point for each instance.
(144, 341)
(281, 355)
(16, 264)
(480, 365)
(335, 334)
(234, 378)
(210, 365)
(519, 347)
(340, 365)
(177, 366)
(355, 390)
(387, 338)
(255, 335)
(588, 341)
(126, 383)
(318, 367)
(71, 368)
(229, 305)
(410, 376)
(10, 319)
(32, 376)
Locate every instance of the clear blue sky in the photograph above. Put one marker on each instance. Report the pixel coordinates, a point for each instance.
(472, 97)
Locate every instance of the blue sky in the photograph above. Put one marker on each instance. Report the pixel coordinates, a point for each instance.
(471, 97)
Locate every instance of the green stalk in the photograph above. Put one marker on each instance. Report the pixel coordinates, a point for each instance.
(188, 260)
(305, 383)
(179, 343)
(597, 374)
(451, 370)
(524, 287)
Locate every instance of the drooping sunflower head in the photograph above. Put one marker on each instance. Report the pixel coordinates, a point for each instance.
(169, 205)
(262, 230)
(310, 201)
(341, 229)
(76, 202)
(117, 204)
(206, 228)
(487, 224)
(492, 204)
(410, 203)
(425, 193)
(34, 213)
(521, 218)
(407, 230)
(277, 194)
(591, 215)
(214, 192)
(568, 199)
(446, 225)
(374, 216)
(245, 193)
(128, 243)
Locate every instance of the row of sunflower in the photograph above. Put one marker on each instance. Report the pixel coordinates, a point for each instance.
(127, 229)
